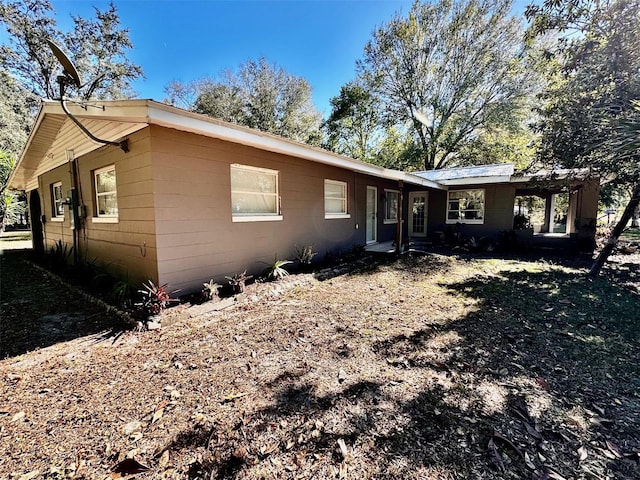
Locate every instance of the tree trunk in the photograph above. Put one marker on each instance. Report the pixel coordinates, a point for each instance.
(615, 234)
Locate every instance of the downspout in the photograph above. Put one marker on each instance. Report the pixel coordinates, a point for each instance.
(74, 206)
(400, 220)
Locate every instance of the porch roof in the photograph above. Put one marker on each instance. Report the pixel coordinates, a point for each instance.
(496, 173)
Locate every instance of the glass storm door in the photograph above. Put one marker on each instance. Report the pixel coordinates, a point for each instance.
(418, 214)
(372, 214)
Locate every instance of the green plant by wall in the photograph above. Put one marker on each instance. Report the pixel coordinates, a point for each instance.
(275, 271)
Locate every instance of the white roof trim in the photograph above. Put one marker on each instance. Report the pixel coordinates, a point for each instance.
(171, 117)
(477, 180)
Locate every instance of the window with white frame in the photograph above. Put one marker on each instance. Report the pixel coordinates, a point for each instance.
(254, 193)
(106, 193)
(335, 199)
(57, 206)
(465, 206)
(391, 206)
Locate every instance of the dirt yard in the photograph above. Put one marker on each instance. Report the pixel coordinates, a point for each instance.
(430, 367)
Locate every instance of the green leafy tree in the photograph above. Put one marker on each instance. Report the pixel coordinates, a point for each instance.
(354, 125)
(588, 113)
(258, 95)
(97, 46)
(17, 109)
(12, 203)
(448, 70)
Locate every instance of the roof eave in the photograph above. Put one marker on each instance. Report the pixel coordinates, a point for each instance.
(171, 117)
(18, 167)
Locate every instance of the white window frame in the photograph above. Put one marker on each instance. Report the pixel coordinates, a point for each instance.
(256, 217)
(103, 217)
(470, 221)
(387, 219)
(345, 200)
(55, 215)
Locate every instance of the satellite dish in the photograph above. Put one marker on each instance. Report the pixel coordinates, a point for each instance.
(70, 77)
(68, 69)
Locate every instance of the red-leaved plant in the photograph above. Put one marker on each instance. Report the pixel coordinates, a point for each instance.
(155, 298)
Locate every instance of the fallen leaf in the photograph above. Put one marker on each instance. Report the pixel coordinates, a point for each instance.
(508, 442)
(267, 449)
(532, 431)
(494, 455)
(232, 396)
(540, 475)
(17, 416)
(553, 474)
(164, 459)
(157, 415)
(30, 475)
(606, 453)
(128, 466)
(528, 461)
(613, 448)
(343, 448)
(131, 427)
(582, 454)
(519, 407)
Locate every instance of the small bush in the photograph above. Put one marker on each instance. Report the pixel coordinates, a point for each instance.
(155, 298)
(238, 281)
(211, 290)
(305, 254)
(59, 256)
(275, 271)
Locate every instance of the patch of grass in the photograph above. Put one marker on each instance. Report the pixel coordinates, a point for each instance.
(631, 235)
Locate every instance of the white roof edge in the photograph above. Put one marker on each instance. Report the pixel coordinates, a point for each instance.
(172, 117)
(477, 180)
(32, 134)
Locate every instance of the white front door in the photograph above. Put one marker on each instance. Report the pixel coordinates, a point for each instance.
(372, 215)
(418, 202)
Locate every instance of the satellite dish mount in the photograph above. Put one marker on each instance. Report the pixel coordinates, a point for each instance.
(70, 77)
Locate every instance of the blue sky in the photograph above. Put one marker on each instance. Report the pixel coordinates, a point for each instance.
(319, 40)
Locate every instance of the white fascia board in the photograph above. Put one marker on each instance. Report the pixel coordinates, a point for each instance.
(171, 117)
(32, 134)
(477, 180)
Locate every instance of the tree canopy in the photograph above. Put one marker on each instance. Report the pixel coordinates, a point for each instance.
(354, 125)
(98, 48)
(588, 116)
(258, 95)
(17, 108)
(588, 106)
(448, 72)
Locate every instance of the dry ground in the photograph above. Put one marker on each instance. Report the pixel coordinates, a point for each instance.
(431, 367)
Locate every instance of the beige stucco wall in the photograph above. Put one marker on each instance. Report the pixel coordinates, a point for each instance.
(196, 237)
(128, 247)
